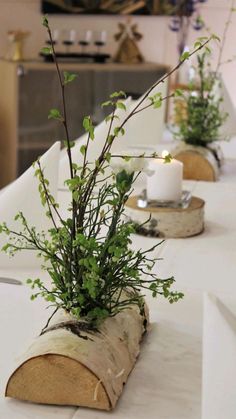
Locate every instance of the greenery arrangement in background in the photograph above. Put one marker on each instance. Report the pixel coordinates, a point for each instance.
(94, 271)
(200, 116)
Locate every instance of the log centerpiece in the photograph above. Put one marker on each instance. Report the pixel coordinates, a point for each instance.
(69, 365)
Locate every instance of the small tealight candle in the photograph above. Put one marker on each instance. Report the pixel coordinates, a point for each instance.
(165, 184)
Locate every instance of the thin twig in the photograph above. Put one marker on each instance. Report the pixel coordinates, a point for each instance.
(226, 28)
(48, 321)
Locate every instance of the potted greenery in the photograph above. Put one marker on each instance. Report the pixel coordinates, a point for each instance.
(199, 116)
(89, 345)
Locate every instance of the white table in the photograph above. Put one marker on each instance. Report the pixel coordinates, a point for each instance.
(166, 382)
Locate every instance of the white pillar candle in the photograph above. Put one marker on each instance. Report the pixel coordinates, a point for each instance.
(165, 184)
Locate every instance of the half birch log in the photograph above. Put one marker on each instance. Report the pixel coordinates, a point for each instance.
(67, 365)
(199, 162)
(167, 222)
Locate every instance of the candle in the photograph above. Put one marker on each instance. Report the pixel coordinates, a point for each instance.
(165, 184)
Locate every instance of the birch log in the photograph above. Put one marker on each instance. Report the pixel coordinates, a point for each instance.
(199, 162)
(167, 222)
(68, 365)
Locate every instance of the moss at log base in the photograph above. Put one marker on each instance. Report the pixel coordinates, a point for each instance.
(87, 369)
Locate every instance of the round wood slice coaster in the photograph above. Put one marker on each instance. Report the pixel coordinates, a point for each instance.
(167, 222)
(199, 162)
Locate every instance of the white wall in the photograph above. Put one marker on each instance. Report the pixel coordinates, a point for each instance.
(158, 44)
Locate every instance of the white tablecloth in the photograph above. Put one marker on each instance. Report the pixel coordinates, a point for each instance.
(166, 382)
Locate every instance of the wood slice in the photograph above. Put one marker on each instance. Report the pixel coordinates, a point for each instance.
(199, 162)
(167, 222)
(68, 365)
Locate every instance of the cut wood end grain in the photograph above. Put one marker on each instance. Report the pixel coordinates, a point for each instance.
(77, 367)
(56, 379)
(199, 162)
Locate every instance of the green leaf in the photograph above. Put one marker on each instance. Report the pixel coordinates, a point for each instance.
(108, 157)
(98, 313)
(71, 144)
(88, 126)
(126, 158)
(6, 247)
(215, 37)
(46, 50)
(91, 132)
(202, 38)
(69, 77)
(118, 94)
(107, 103)
(121, 105)
(197, 44)
(118, 131)
(157, 104)
(178, 93)
(184, 56)
(51, 298)
(168, 158)
(110, 139)
(110, 117)
(207, 50)
(86, 123)
(45, 21)
(55, 114)
(76, 311)
(83, 149)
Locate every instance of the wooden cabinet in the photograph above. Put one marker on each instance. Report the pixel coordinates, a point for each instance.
(28, 90)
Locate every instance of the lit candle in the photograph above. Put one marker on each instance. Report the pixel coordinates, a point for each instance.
(165, 184)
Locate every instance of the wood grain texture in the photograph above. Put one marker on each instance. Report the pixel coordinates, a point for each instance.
(57, 379)
(199, 162)
(70, 366)
(168, 222)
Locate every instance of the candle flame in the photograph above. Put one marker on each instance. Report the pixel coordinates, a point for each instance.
(165, 153)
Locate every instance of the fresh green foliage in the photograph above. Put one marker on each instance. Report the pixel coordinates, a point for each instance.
(184, 56)
(94, 270)
(201, 116)
(168, 158)
(46, 50)
(45, 21)
(178, 93)
(88, 126)
(55, 114)
(69, 77)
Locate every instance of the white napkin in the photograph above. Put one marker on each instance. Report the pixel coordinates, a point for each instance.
(95, 146)
(228, 129)
(22, 195)
(219, 361)
(146, 128)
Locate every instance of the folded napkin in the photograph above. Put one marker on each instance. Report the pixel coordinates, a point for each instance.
(219, 361)
(94, 148)
(22, 195)
(147, 127)
(228, 129)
